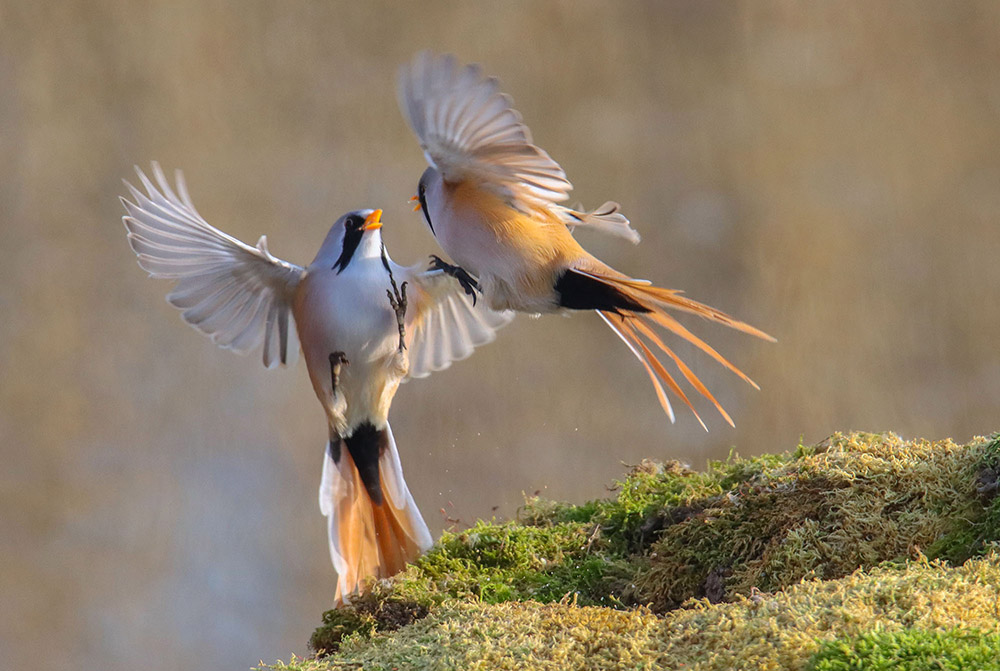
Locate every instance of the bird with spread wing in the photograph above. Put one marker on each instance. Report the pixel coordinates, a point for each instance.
(364, 324)
(492, 199)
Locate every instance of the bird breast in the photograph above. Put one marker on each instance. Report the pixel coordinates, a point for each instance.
(347, 313)
(516, 257)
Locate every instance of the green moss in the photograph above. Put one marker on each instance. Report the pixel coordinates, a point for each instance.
(507, 561)
(337, 624)
(853, 501)
(740, 527)
(651, 496)
(911, 650)
(372, 612)
(783, 630)
(980, 532)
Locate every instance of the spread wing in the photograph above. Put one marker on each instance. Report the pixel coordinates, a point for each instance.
(468, 130)
(236, 294)
(442, 324)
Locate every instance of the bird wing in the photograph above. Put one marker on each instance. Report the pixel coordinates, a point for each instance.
(442, 323)
(607, 219)
(236, 294)
(469, 131)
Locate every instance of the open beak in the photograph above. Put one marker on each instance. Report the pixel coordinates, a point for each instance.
(373, 221)
(415, 199)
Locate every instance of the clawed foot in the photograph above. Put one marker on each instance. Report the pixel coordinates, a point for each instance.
(397, 299)
(467, 281)
(337, 359)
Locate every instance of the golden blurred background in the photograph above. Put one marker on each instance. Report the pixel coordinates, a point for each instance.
(829, 172)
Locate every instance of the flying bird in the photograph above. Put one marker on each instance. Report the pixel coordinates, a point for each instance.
(364, 323)
(492, 200)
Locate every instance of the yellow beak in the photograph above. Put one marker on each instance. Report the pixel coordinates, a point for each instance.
(373, 221)
(415, 199)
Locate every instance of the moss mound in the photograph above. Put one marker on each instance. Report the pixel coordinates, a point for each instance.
(911, 650)
(852, 501)
(670, 534)
(786, 630)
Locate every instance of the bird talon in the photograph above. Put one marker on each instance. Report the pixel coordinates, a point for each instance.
(468, 282)
(337, 359)
(437, 263)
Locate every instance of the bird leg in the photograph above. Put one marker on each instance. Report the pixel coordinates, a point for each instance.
(467, 281)
(337, 359)
(397, 299)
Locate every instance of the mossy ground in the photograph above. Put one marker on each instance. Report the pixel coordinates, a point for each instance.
(852, 501)
(719, 554)
(911, 650)
(785, 630)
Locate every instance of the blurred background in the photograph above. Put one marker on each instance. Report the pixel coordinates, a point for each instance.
(829, 172)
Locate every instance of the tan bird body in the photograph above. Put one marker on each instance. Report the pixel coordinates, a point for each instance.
(516, 257)
(491, 199)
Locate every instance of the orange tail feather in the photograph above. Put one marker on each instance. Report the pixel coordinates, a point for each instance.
(633, 325)
(369, 541)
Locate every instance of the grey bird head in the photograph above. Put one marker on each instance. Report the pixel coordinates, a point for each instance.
(346, 236)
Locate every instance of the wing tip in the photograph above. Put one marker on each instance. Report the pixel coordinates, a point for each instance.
(456, 111)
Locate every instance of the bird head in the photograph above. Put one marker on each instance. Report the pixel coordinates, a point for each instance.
(357, 230)
(430, 183)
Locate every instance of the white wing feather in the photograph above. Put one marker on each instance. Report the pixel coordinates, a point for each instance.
(607, 219)
(468, 130)
(443, 325)
(237, 294)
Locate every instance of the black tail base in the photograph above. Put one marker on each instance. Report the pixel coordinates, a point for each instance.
(366, 446)
(577, 291)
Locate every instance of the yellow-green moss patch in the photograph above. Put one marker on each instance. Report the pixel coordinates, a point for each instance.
(743, 525)
(764, 631)
(853, 501)
(911, 650)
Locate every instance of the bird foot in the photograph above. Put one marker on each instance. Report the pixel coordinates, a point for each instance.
(337, 359)
(397, 299)
(467, 281)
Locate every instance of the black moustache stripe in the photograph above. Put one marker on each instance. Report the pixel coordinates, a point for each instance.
(351, 241)
(423, 207)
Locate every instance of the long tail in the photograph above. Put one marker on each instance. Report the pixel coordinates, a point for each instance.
(374, 526)
(632, 308)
